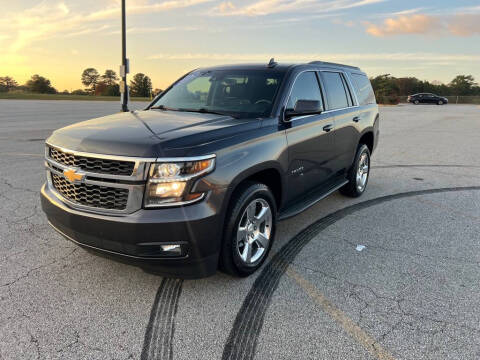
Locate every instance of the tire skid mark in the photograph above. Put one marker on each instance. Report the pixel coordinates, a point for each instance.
(422, 165)
(158, 341)
(242, 340)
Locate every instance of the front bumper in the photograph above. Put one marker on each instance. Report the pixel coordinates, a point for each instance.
(136, 238)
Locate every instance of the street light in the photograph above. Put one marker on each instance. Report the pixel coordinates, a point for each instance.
(124, 69)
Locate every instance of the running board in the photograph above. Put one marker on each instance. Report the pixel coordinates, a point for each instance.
(309, 200)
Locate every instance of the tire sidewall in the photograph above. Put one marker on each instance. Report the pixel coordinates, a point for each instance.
(255, 191)
(361, 150)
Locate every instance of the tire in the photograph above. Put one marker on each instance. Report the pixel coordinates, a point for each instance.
(440, 102)
(416, 102)
(356, 185)
(234, 259)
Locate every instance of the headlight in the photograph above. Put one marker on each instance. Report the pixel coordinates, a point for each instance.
(170, 183)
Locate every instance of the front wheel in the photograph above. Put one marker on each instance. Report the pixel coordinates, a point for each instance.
(250, 229)
(440, 102)
(358, 174)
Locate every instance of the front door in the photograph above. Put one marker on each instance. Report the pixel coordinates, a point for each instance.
(310, 139)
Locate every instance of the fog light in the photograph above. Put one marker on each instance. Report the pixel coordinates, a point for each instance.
(174, 250)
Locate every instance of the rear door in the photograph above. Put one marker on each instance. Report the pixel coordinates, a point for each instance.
(341, 104)
(310, 139)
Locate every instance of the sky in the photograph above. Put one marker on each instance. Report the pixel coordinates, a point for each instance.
(58, 39)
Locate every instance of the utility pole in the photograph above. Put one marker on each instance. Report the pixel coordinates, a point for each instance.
(124, 69)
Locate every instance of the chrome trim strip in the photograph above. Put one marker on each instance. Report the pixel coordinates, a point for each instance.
(102, 156)
(139, 172)
(175, 204)
(131, 158)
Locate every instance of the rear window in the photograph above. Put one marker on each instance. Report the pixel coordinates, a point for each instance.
(363, 89)
(336, 95)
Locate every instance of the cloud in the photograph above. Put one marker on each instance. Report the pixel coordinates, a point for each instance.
(420, 24)
(144, 7)
(306, 57)
(150, 30)
(267, 7)
(50, 19)
(465, 25)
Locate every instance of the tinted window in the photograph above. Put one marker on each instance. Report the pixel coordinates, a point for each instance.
(336, 95)
(244, 93)
(305, 88)
(363, 88)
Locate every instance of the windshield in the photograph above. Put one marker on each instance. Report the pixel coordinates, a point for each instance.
(238, 93)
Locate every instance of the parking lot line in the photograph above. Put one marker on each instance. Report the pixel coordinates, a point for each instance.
(356, 332)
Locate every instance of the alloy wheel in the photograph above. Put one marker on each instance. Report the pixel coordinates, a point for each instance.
(362, 172)
(254, 231)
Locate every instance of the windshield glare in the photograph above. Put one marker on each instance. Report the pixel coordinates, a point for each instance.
(237, 93)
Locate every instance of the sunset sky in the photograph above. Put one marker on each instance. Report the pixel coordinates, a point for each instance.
(432, 40)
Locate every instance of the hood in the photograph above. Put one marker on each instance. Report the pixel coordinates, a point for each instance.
(152, 133)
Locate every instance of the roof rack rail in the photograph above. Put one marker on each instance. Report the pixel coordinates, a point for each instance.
(333, 64)
(272, 63)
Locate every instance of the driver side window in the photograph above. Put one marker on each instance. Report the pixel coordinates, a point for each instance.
(306, 87)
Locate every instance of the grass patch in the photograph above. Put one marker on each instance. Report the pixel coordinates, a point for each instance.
(31, 96)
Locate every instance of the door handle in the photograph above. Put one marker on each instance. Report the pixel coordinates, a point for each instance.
(328, 127)
(356, 119)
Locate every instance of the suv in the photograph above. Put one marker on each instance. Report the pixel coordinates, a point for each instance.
(427, 98)
(199, 179)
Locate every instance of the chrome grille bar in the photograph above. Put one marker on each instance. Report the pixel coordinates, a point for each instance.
(98, 192)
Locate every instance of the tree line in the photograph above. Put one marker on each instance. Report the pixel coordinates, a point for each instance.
(389, 89)
(96, 84)
(107, 84)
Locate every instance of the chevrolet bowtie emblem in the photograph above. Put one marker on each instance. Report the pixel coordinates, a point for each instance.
(72, 176)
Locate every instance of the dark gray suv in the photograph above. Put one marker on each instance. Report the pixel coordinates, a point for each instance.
(199, 179)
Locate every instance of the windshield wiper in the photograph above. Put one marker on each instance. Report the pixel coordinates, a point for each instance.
(206, 111)
(163, 107)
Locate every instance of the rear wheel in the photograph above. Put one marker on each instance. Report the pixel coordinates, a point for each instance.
(358, 174)
(250, 229)
(416, 102)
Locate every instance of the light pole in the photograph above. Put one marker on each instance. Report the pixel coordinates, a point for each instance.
(124, 69)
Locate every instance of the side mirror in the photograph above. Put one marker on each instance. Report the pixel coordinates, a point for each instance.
(304, 107)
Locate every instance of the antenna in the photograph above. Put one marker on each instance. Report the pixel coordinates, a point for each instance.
(272, 63)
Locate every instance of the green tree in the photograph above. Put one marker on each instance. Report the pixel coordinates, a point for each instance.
(39, 84)
(90, 78)
(386, 89)
(8, 83)
(463, 85)
(141, 85)
(110, 77)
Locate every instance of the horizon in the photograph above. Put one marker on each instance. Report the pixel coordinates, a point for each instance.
(166, 39)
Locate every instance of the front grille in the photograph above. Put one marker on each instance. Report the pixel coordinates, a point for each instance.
(91, 164)
(91, 195)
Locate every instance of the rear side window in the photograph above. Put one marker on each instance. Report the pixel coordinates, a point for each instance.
(305, 88)
(335, 91)
(363, 89)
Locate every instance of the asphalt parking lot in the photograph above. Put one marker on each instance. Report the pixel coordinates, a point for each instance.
(412, 292)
